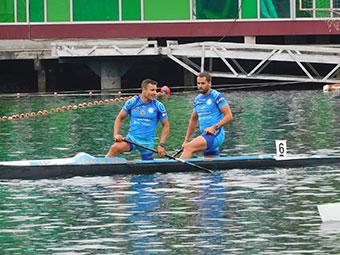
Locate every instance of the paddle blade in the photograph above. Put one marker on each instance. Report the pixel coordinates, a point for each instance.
(329, 212)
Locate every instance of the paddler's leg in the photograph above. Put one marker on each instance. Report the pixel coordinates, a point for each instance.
(145, 154)
(196, 145)
(214, 144)
(118, 148)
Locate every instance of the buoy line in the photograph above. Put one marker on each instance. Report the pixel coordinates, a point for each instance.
(64, 108)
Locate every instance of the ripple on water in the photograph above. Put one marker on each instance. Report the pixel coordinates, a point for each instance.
(257, 211)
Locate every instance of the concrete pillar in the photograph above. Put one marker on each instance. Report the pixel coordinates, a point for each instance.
(41, 75)
(52, 78)
(111, 75)
(189, 78)
(42, 80)
(250, 39)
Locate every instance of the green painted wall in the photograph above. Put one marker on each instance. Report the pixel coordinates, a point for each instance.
(6, 10)
(95, 10)
(268, 9)
(300, 13)
(283, 8)
(319, 4)
(107, 10)
(166, 9)
(36, 10)
(249, 9)
(131, 10)
(21, 11)
(323, 4)
(217, 9)
(58, 10)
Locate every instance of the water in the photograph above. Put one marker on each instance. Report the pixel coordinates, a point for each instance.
(230, 212)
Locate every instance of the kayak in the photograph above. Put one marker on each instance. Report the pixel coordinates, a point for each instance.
(84, 164)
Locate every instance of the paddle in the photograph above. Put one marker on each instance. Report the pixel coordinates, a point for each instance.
(176, 152)
(171, 157)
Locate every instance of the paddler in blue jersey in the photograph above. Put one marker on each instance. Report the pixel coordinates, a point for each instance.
(211, 113)
(145, 112)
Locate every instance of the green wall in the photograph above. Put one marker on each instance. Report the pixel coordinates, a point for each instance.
(6, 11)
(95, 10)
(131, 10)
(154, 10)
(166, 9)
(249, 9)
(268, 9)
(319, 4)
(21, 11)
(323, 4)
(58, 10)
(36, 10)
(217, 9)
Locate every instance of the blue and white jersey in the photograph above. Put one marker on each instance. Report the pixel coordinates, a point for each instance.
(208, 109)
(144, 118)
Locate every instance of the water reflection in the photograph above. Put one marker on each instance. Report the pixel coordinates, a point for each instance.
(230, 212)
(238, 212)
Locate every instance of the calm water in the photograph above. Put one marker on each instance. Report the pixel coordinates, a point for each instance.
(231, 212)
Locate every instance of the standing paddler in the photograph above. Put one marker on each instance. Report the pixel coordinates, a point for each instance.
(145, 111)
(211, 113)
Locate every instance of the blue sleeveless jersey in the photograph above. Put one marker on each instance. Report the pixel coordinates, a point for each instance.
(208, 109)
(144, 118)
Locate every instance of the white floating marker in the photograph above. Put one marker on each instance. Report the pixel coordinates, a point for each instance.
(281, 148)
(329, 212)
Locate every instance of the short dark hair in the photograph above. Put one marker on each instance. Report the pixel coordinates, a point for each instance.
(206, 75)
(148, 81)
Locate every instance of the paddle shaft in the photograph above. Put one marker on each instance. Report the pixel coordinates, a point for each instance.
(171, 157)
(177, 152)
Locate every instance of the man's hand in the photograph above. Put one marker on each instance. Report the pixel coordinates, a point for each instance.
(119, 138)
(210, 130)
(161, 151)
(184, 143)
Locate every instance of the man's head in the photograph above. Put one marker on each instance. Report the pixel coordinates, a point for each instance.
(203, 82)
(149, 89)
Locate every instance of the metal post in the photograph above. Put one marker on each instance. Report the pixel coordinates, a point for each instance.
(71, 10)
(45, 10)
(28, 18)
(142, 10)
(15, 11)
(202, 58)
(191, 9)
(120, 10)
(293, 9)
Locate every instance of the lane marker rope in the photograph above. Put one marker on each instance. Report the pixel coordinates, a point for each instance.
(64, 108)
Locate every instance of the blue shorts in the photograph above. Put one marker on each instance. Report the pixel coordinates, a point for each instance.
(214, 143)
(145, 154)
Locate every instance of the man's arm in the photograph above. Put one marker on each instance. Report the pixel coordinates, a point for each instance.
(164, 135)
(117, 125)
(228, 116)
(191, 127)
(165, 131)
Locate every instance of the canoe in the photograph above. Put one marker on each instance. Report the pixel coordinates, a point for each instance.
(84, 164)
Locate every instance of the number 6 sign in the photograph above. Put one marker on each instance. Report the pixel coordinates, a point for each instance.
(281, 148)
